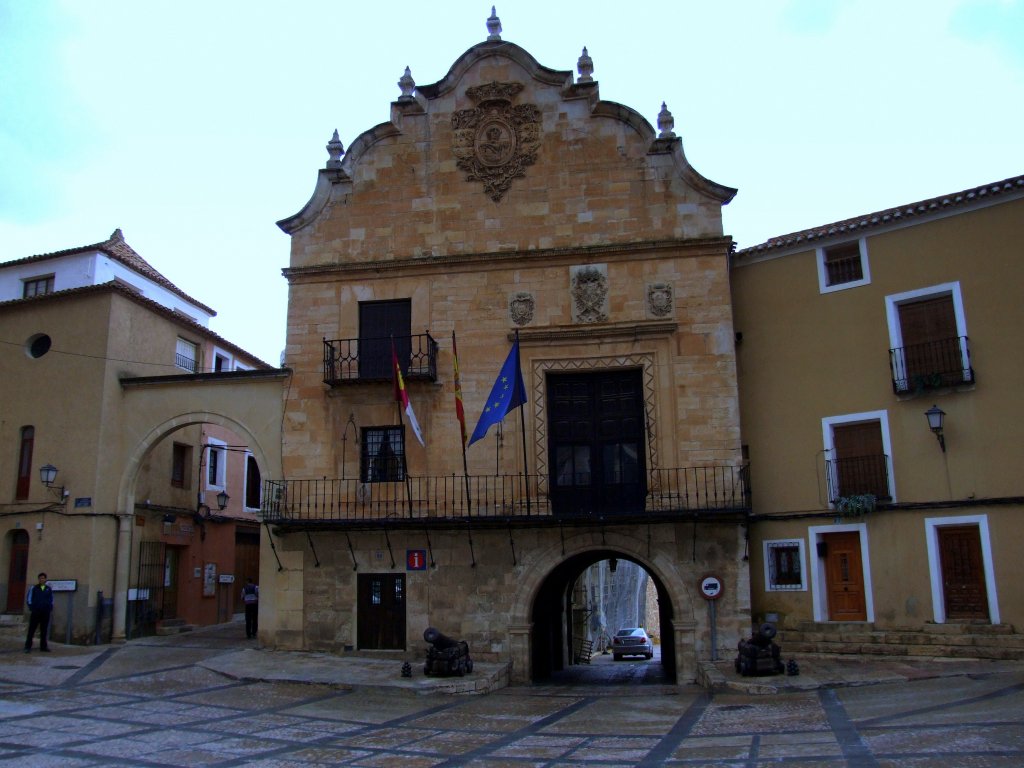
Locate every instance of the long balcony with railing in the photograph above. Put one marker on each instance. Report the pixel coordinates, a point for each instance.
(358, 361)
(858, 476)
(933, 365)
(455, 500)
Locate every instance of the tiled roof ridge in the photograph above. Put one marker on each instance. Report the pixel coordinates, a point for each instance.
(156, 306)
(118, 249)
(889, 215)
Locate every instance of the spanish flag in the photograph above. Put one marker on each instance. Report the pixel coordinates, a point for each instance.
(460, 412)
(402, 396)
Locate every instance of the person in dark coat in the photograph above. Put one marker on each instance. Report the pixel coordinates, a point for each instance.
(251, 598)
(40, 605)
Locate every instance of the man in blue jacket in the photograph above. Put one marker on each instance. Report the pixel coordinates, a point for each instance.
(40, 605)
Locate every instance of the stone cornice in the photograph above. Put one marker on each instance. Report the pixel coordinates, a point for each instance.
(607, 331)
(711, 246)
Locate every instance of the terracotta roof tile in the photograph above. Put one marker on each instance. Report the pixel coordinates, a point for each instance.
(116, 247)
(859, 224)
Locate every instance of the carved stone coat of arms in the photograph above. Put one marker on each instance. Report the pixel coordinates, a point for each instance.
(495, 141)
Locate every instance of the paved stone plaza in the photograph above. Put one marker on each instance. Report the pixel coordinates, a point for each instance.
(161, 702)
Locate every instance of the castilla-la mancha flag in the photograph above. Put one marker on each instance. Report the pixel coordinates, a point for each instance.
(402, 396)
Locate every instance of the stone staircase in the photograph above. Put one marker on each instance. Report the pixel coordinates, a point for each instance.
(173, 627)
(954, 641)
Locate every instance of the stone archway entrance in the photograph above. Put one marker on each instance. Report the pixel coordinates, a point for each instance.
(247, 403)
(553, 642)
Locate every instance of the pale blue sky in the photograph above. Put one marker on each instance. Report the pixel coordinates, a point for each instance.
(195, 125)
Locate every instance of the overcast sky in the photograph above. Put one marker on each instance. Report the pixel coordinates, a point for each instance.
(195, 125)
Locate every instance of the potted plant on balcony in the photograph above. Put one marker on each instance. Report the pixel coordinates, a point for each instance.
(856, 505)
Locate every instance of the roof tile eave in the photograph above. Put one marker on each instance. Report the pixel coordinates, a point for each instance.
(886, 216)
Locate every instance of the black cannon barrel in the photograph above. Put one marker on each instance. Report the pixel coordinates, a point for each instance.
(438, 639)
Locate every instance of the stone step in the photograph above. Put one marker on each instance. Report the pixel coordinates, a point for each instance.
(863, 639)
(13, 624)
(966, 628)
(173, 627)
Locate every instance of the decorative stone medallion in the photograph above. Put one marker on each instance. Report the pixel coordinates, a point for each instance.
(520, 307)
(496, 140)
(588, 286)
(659, 299)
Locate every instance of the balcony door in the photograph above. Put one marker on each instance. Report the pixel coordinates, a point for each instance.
(860, 459)
(379, 322)
(931, 344)
(596, 442)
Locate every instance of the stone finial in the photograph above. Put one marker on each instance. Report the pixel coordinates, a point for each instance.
(493, 26)
(407, 84)
(665, 123)
(335, 150)
(585, 66)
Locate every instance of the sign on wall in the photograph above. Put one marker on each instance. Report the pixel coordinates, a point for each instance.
(415, 559)
(209, 580)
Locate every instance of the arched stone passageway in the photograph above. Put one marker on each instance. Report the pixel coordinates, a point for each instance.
(248, 404)
(551, 637)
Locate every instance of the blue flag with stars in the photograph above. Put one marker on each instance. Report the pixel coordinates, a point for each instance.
(508, 393)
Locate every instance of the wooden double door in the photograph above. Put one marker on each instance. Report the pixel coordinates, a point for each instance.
(596, 442)
(964, 593)
(381, 611)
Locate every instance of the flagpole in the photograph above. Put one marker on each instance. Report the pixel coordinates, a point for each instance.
(462, 425)
(522, 422)
(401, 422)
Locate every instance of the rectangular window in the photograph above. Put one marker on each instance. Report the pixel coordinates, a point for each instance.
(37, 286)
(857, 450)
(382, 456)
(929, 339)
(28, 436)
(181, 465)
(844, 265)
(221, 361)
(185, 356)
(784, 565)
(216, 464)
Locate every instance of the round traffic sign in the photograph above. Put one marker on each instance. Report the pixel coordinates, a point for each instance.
(711, 587)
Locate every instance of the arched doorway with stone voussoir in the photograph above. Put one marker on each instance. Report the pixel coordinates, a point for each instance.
(247, 404)
(542, 621)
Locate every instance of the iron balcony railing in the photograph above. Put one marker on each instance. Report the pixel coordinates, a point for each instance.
(858, 475)
(185, 362)
(494, 497)
(354, 361)
(933, 365)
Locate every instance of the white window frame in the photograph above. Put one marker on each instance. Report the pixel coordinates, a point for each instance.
(823, 286)
(882, 417)
(181, 343)
(213, 444)
(229, 361)
(931, 528)
(770, 544)
(819, 596)
(892, 316)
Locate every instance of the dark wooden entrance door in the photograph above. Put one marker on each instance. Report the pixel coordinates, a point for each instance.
(963, 573)
(379, 322)
(381, 611)
(844, 577)
(17, 573)
(596, 442)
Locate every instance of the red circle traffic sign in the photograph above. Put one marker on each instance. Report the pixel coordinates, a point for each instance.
(711, 587)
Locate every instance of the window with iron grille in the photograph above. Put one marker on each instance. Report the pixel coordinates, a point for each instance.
(784, 565)
(37, 286)
(843, 265)
(382, 456)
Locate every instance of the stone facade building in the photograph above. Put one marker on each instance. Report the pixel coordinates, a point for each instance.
(507, 201)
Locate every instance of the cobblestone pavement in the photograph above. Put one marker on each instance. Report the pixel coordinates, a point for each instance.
(156, 702)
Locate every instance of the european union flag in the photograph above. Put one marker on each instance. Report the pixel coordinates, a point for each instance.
(508, 393)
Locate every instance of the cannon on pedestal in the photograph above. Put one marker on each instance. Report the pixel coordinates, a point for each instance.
(759, 655)
(446, 656)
